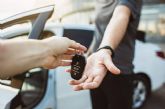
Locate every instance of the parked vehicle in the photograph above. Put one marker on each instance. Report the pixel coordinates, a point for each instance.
(149, 55)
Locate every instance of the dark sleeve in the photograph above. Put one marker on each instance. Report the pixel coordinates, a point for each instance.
(134, 6)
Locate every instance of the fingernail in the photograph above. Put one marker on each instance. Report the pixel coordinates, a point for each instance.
(118, 72)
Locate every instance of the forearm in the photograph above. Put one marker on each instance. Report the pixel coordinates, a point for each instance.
(17, 56)
(116, 28)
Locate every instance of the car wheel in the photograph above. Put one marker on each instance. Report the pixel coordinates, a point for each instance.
(142, 90)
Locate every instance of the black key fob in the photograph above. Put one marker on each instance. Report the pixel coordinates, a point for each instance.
(77, 66)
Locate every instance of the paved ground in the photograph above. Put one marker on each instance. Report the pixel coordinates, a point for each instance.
(157, 99)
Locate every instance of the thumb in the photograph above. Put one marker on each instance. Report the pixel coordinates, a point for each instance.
(110, 66)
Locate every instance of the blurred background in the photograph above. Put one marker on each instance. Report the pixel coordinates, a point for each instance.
(48, 89)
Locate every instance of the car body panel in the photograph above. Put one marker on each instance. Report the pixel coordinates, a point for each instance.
(146, 61)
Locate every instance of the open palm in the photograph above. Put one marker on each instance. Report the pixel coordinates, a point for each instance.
(97, 65)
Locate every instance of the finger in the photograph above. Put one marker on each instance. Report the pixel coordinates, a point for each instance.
(110, 66)
(70, 51)
(91, 85)
(94, 84)
(77, 46)
(90, 79)
(77, 88)
(68, 70)
(65, 63)
(66, 57)
(76, 82)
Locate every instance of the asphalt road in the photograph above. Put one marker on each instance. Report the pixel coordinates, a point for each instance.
(157, 99)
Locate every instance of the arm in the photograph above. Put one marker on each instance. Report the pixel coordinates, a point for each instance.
(117, 26)
(98, 63)
(19, 55)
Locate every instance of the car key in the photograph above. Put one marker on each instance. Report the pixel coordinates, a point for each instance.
(77, 66)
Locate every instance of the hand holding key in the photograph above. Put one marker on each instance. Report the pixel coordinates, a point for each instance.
(60, 49)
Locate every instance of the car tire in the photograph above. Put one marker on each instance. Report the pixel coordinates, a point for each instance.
(141, 90)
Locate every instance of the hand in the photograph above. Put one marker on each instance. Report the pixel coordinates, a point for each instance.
(60, 51)
(97, 65)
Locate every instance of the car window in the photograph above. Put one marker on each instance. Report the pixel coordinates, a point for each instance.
(33, 89)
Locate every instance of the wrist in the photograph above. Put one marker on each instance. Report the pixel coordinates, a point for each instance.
(47, 47)
(108, 49)
(47, 53)
(103, 51)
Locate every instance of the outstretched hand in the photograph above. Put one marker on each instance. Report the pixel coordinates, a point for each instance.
(97, 65)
